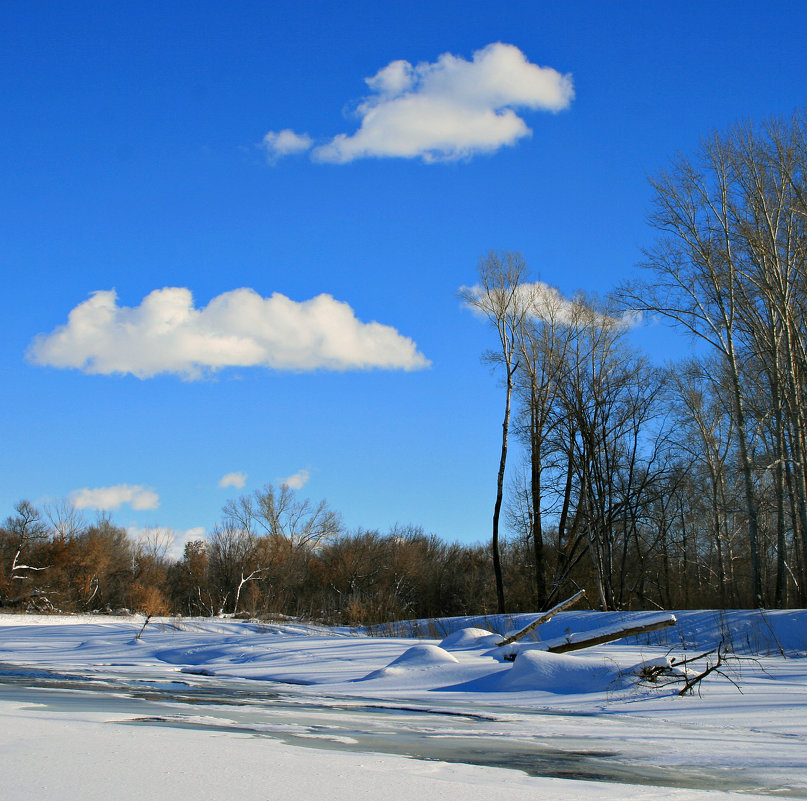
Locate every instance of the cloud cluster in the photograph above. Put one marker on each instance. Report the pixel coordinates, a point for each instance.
(441, 111)
(167, 334)
(296, 481)
(109, 498)
(236, 480)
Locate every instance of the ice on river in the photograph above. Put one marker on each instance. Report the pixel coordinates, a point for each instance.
(213, 708)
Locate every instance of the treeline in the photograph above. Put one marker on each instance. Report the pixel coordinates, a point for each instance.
(277, 554)
(273, 553)
(676, 487)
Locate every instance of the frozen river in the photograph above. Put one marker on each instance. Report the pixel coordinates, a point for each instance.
(544, 743)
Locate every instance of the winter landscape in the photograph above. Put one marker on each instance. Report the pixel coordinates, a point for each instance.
(342, 340)
(217, 708)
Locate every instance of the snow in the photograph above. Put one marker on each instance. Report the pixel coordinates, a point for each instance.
(93, 760)
(469, 637)
(214, 708)
(414, 661)
(558, 673)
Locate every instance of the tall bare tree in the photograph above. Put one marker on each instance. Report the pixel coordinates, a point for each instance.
(499, 297)
(280, 513)
(695, 279)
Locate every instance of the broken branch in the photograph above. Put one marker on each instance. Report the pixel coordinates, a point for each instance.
(543, 618)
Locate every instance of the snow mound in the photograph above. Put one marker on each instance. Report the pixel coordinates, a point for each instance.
(559, 674)
(470, 638)
(415, 658)
(423, 656)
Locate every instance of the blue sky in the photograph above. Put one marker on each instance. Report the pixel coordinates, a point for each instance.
(135, 159)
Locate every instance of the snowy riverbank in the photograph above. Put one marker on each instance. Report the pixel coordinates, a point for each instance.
(207, 708)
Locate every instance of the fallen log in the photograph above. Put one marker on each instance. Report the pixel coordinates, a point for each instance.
(548, 615)
(599, 639)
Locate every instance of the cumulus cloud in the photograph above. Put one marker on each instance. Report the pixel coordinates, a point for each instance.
(167, 334)
(236, 480)
(109, 498)
(284, 143)
(444, 110)
(296, 481)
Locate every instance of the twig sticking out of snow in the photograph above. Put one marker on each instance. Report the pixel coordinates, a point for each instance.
(715, 668)
(139, 633)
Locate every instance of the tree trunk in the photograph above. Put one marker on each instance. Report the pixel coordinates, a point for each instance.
(497, 508)
(748, 479)
(537, 525)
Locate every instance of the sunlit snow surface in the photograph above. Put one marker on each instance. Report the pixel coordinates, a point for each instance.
(216, 708)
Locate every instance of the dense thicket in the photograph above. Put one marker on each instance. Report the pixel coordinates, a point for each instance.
(681, 486)
(273, 553)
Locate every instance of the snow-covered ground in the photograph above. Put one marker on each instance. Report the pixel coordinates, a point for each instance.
(215, 709)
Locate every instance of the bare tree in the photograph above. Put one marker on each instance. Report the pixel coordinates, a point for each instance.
(22, 532)
(282, 514)
(190, 584)
(544, 340)
(262, 530)
(704, 432)
(499, 298)
(610, 396)
(231, 557)
(696, 273)
(65, 519)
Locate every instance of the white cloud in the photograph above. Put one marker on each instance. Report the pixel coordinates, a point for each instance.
(536, 299)
(633, 318)
(167, 334)
(284, 143)
(109, 498)
(446, 110)
(236, 480)
(296, 481)
(543, 302)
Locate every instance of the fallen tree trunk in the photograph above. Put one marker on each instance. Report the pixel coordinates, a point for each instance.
(599, 639)
(548, 615)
